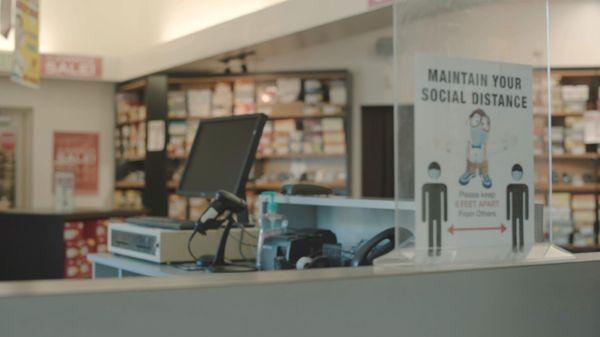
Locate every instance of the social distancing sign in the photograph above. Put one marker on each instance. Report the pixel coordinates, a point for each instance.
(473, 154)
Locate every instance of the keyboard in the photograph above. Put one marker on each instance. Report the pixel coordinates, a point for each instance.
(160, 222)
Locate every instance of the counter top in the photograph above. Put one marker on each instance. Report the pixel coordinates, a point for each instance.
(75, 215)
(62, 287)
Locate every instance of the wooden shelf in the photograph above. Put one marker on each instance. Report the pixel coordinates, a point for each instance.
(559, 115)
(119, 124)
(177, 157)
(583, 156)
(301, 156)
(172, 184)
(133, 159)
(133, 85)
(129, 185)
(277, 185)
(586, 188)
(271, 117)
(306, 116)
(265, 77)
(575, 72)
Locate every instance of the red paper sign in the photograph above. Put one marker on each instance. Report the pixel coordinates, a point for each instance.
(379, 3)
(7, 140)
(78, 153)
(63, 66)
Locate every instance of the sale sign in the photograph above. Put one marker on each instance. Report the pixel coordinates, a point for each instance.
(74, 67)
(78, 153)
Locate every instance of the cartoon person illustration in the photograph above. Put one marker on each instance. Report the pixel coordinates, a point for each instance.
(517, 206)
(477, 149)
(435, 204)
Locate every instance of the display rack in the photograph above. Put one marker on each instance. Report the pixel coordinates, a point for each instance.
(575, 162)
(153, 175)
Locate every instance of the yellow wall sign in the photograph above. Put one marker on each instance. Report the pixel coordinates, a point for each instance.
(26, 60)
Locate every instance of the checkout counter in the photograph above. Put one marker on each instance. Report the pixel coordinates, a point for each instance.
(515, 298)
(541, 299)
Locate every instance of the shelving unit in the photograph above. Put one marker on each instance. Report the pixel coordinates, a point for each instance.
(161, 168)
(130, 144)
(575, 171)
(129, 185)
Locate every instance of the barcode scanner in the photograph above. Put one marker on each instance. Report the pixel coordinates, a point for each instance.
(220, 209)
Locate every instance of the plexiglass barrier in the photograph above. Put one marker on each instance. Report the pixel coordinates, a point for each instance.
(472, 122)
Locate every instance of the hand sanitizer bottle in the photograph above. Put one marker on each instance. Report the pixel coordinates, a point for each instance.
(270, 223)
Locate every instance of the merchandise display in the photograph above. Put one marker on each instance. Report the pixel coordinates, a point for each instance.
(199, 103)
(575, 156)
(306, 138)
(177, 104)
(80, 239)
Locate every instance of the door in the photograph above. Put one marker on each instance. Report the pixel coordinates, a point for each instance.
(378, 151)
(14, 158)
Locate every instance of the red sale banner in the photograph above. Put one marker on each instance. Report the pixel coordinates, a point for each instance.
(78, 153)
(74, 67)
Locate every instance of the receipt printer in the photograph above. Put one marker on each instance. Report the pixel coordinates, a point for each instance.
(284, 250)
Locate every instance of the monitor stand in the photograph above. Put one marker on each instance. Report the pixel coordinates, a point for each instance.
(218, 264)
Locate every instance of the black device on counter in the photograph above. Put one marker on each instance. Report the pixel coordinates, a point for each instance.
(305, 189)
(221, 156)
(283, 251)
(379, 245)
(220, 160)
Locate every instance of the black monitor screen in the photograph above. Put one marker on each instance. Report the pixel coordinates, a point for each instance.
(221, 156)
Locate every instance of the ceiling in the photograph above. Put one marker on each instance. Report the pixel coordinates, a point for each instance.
(112, 28)
(334, 31)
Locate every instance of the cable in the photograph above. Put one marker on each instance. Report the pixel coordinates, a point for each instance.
(240, 240)
(240, 245)
(189, 244)
(243, 243)
(241, 226)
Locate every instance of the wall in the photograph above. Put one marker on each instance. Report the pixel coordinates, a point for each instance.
(65, 106)
(505, 31)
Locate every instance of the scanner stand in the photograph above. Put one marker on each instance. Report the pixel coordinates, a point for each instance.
(218, 264)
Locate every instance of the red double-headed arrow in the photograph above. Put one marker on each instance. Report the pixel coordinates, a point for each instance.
(454, 229)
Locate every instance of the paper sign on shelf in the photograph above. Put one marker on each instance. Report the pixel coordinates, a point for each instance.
(592, 127)
(26, 59)
(473, 154)
(64, 191)
(156, 136)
